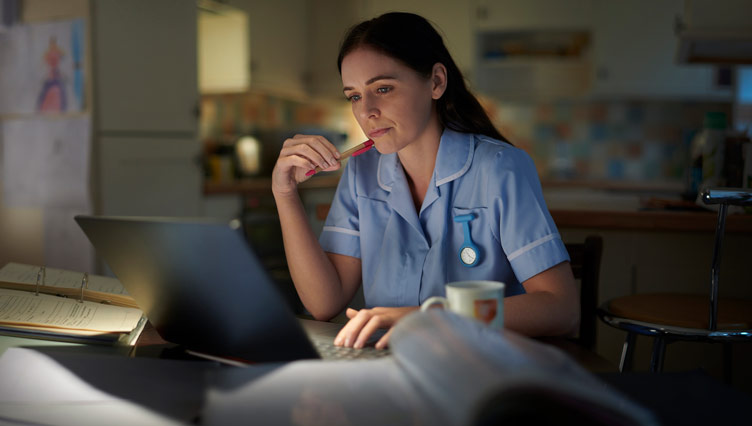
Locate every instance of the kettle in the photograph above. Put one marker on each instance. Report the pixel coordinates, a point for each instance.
(248, 153)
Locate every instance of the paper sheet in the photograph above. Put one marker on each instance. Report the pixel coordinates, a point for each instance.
(46, 165)
(312, 393)
(22, 273)
(25, 308)
(443, 370)
(72, 388)
(459, 364)
(46, 162)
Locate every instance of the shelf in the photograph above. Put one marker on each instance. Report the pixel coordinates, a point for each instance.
(649, 220)
(264, 185)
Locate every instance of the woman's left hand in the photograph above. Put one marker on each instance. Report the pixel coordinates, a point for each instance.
(365, 322)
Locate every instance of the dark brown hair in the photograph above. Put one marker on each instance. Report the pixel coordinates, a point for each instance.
(412, 40)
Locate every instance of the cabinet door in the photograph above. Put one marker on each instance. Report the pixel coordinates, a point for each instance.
(279, 34)
(452, 18)
(330, 20)
(145, 65)
(149, 177)
(634, 53)
(492, 15)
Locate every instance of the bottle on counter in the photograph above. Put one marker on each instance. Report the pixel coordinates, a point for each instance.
(707, 154)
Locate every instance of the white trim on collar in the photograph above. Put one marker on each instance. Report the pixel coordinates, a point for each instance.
(461, 172)
(378, 176)
(455, 156)
(452, 148)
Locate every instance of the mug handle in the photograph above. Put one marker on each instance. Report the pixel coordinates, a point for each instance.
(433, 301)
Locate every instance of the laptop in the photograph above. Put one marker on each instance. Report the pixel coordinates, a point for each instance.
(202, 286)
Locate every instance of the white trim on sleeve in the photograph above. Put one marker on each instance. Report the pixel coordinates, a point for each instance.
(536, 243)
(341, 230)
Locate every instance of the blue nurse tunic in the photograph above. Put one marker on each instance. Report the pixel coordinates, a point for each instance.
(408, 256)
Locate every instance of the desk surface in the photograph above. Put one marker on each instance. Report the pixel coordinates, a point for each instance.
(664, 394)
(151, 344)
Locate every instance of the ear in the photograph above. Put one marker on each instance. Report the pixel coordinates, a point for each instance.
(438, 80)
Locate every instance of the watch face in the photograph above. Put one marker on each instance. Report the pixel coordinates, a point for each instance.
(468, 255)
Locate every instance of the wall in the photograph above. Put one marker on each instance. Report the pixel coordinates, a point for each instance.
(23, 229)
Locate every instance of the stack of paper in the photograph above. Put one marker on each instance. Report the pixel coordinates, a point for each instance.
(60, 310)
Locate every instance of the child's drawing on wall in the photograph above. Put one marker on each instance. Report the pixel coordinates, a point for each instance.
(52, 96)
(42, 68)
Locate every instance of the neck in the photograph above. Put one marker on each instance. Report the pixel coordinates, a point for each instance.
(419, 157)
(418, 160)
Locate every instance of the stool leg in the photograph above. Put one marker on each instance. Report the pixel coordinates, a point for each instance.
(625, 364)
(659, 350)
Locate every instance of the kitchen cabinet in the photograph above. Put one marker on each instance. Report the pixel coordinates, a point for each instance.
(149, 176)
(509, 15)
(512, 37)
(145, 65)
(330, 20)
(634, 53)
(145, 108)
(223, 50)
(451, 17)
(631, 51)
(519, 65)
(279, 54)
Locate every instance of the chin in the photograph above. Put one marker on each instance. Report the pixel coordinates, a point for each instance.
(383, 148)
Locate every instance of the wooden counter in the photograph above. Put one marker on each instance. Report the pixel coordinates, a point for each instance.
(627, 216)
(264, 185)
(649, 220)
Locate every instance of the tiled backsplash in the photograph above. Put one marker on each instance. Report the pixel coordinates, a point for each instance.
(597, 140)
(628, 141)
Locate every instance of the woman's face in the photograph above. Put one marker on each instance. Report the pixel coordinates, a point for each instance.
(392, 103)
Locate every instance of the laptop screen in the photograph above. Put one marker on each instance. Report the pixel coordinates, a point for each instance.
(200, 285)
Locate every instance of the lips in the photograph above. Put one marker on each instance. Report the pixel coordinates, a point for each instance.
(378, 132)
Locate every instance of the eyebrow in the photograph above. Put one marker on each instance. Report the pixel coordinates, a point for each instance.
(371, 80)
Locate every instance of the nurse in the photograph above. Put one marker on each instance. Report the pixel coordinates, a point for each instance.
(443, 197)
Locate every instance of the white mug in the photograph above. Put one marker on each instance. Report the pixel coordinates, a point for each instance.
(481, 300)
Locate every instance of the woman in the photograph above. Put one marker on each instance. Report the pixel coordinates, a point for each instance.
(393, 225)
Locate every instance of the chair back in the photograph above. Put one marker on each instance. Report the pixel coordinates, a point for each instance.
(585, 259)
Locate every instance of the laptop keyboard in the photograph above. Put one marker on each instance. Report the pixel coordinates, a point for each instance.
(328, 350)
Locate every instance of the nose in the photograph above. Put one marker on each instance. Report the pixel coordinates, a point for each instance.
(368, 106)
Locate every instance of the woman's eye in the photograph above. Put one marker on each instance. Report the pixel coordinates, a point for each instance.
(353, 98)
(384, 89)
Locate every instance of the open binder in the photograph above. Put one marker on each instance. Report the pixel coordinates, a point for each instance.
(56, 304)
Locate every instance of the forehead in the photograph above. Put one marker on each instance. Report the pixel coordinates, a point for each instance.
(364, 63)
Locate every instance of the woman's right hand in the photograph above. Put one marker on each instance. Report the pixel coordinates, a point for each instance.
(298, 156)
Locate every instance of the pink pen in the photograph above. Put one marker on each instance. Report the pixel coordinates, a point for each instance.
(352, 152)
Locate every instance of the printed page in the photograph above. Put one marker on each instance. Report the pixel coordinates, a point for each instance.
(24, 308)
(444, 370)
(27, 274)
(359, 392)
(81, 389)
(458, 363)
